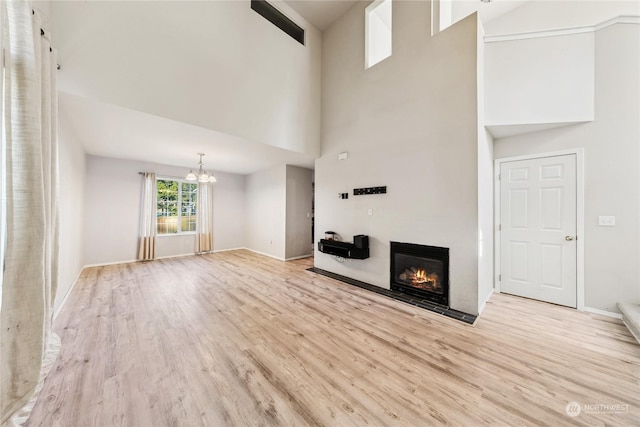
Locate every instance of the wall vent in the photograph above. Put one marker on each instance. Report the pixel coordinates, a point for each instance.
(278, 19)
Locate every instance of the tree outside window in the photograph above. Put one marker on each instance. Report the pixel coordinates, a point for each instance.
(176, 209)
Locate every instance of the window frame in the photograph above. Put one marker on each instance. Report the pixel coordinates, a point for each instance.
(368, 11)
(179, 231)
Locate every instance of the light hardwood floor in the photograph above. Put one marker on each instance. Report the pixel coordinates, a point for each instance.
(236, 338)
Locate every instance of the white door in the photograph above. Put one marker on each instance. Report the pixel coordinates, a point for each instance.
(538, 229)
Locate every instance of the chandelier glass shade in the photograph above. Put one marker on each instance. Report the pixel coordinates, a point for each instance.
(202, 175)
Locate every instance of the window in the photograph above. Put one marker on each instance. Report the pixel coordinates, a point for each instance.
(177, 201)
(377, 32)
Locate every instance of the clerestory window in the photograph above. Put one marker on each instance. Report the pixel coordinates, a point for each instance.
(378, 32)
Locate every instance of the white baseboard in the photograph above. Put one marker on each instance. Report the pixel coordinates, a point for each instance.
(66, 296)
(278, 258)
(299, 257)
(484, 303)
(173, 256)
(602, 312)
(227, 250)
(104, 264)
(265, 254)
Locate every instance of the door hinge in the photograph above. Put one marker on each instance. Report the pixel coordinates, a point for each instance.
(499, 277)
(499, 176)
(499, 227)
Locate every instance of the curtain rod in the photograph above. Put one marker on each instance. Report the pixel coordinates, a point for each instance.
(175, 178)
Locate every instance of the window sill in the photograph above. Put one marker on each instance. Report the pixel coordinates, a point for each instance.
(192, 233)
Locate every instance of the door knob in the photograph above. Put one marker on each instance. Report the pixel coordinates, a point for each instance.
(568, 238)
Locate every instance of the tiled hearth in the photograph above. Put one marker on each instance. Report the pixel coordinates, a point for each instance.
(409, 299)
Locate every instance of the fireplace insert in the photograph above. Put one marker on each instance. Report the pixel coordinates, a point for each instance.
(421, 270)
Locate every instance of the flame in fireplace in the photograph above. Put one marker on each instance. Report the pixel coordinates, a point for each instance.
(421, 277)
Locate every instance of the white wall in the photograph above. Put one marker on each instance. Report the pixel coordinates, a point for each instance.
(265, 207)
(298, 212)
(44, 7)
(72, 167)
(213, 64)
(541, 80)
(112, 211)
(228, 212)
(485, 186)
(410, 123)
(612, 160)
(486, 273)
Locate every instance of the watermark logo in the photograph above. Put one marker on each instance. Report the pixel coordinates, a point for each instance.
(573, 409)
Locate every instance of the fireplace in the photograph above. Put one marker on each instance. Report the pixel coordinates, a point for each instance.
(421, 270)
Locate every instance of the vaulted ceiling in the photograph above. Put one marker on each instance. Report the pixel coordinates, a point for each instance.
(111, 130)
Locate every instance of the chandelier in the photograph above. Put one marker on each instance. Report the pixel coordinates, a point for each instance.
(202, 175)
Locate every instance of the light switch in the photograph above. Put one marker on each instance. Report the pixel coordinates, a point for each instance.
(369, 211)
(607, 221)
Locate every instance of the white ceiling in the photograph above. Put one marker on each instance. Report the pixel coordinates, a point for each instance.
(112, 131)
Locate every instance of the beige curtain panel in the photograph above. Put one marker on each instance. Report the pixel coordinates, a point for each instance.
(30, 161)
(148, 219)
(204, 218)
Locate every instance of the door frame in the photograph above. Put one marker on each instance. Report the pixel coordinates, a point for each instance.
(579, 153)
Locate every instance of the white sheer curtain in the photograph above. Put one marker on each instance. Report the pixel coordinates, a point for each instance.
(148, 219)
(27, 344)
(204, 218)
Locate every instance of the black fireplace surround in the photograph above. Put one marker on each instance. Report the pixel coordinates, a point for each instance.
(421, 270)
